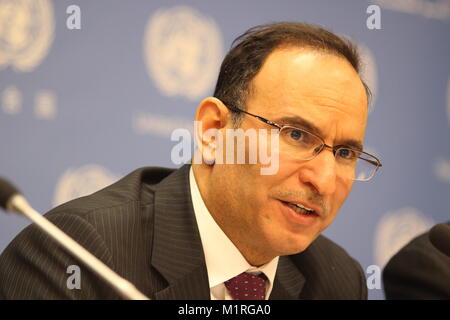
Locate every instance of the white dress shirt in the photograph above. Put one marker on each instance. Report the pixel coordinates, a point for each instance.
(223, 260)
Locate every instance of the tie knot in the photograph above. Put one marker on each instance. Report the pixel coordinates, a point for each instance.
(247, 286)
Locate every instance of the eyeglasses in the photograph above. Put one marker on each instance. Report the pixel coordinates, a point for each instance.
(351, 163)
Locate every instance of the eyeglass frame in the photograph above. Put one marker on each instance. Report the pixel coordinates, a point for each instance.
(376, 163)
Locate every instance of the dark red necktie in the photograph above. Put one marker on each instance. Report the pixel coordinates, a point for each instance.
(247, 286)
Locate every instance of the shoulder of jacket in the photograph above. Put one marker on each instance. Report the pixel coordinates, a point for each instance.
(123, 192)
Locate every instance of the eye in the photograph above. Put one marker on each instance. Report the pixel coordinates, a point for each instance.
(347, 154)
(299, 138)
(296, 134)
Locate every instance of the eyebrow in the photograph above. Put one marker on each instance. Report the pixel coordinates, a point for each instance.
(297, 121)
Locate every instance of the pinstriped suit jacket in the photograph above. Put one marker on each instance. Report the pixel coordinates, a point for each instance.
(144, 228)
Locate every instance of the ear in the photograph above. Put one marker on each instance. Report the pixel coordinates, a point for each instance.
(212, 118)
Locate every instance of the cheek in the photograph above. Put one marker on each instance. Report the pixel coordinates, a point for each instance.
(249, 187)
(256, 196)
(343, 189)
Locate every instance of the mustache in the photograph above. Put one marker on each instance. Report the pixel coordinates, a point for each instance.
(309, 196)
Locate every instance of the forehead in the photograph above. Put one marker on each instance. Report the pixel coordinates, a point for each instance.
(321, 88)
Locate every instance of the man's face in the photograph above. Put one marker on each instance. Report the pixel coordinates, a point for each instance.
(319, 89)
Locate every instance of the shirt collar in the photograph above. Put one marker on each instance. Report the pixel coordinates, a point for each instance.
(223, 260)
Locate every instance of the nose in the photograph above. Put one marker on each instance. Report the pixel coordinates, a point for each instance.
(320, 172)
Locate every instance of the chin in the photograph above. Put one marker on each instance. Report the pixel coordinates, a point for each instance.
(294, 245)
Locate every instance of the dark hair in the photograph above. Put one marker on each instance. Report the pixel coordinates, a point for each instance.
(249, 51)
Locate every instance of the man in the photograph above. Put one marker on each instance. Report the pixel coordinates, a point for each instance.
(418, 271)
(216, 230)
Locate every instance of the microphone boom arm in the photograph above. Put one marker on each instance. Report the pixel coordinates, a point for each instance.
(126, 289)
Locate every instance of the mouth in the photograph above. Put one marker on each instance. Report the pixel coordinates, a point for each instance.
(299, 208)
(299, 213)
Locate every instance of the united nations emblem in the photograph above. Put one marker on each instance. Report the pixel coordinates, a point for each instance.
(75, 183)
(396, 229)
(26, 32)
(441, 168)
(182, 51)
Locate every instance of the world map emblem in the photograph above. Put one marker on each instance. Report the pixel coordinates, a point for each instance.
(182, 51)
(26, 33)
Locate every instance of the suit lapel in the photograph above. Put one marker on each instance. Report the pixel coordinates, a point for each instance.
(177, 250)
(288, 281)
(178, 253)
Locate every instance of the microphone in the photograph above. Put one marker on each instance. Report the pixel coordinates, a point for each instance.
(7, 191)
(12, 200)
(440, 238)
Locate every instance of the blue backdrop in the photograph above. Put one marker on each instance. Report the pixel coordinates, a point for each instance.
(81, 107)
